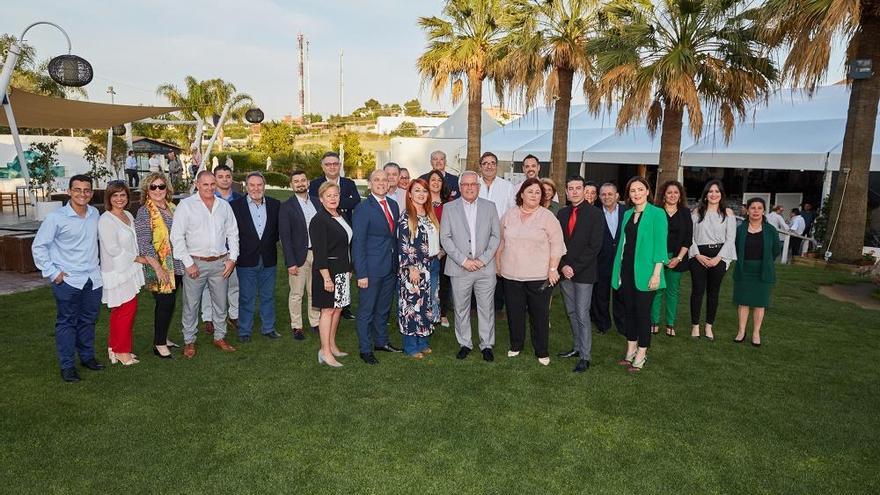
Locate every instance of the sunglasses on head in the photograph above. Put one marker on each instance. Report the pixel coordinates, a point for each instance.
(160, 187)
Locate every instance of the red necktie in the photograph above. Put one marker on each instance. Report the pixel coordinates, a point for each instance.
(388, 215)
(572, 220)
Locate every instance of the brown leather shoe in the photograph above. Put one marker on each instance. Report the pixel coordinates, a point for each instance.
(189, 351)
(223, 346)
(209, 327)
(233, 322)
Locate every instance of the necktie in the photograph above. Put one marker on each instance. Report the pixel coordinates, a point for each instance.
(388, 215)
(572, 220)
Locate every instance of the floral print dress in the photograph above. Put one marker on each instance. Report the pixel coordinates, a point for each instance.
(416, 307)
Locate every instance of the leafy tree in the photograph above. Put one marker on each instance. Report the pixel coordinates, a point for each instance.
(464, 45)
(807, 28)
(311, 118)
(357, 160)
(413, 108)
(406, 129)
(276, 137)
(96, 154)
(662, 61)
(43, 165)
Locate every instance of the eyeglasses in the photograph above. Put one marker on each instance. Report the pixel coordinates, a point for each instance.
(160, 187)
(77, 190)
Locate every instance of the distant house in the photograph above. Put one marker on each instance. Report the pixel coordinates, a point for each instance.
(387, 125)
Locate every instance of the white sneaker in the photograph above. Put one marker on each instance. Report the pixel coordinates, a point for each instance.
(444, 322)
(545, 361)
(512, 353)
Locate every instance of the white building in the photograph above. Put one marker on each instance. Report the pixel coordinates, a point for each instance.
(387, 125)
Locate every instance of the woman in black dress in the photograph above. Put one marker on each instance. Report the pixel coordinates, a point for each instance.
(331, 270)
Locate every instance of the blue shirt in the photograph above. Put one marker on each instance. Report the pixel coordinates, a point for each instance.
(232, 196)
(611, 220)
(68, 243)
(258, 215)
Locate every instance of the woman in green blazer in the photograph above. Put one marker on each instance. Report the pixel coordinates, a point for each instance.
(638, 268)
(757, 245)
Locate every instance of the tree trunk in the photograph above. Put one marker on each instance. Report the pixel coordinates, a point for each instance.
(851, 193)
(561, 113)
(670, 144)
(475, 114)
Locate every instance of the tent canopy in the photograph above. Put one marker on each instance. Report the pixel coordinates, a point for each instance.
(32, 110)
(455, 127)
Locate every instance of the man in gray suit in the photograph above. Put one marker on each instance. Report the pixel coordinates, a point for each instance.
(469, 233)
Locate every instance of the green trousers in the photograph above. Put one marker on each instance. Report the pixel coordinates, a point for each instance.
(673, 281)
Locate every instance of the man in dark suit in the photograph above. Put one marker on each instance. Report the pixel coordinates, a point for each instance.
(293, 227)
(374, 251)
(257, 219)
(582, 226)
(612, 212)
(438, 163)
(348, 194)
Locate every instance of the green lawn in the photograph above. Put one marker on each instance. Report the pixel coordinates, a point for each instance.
(799, 415)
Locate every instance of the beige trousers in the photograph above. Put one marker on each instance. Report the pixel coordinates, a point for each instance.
(302, 282)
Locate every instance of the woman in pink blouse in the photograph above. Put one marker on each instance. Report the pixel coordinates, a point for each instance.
(528, 260)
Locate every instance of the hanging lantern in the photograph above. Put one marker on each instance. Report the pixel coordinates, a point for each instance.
(70, 70)
(254, 116)
(216, 119)
(119, 130)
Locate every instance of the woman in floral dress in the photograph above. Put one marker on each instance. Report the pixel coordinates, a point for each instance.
(419, 237)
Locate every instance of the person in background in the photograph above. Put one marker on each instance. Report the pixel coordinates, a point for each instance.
(711, 253)
(294, 218)
(527, 261)
(439, 196)
(548, 201)
(403, 181)
(638, 268)
(131, 169)
(257, 218)
(155, 165)
(224, 191)
(470, 233)
(797, 226)
(175, 168)
(392, 171)
(374, 252)
(204, 237)
(349, 197)
(331, 270)
(775, 219)
(502, 194)
(671, 197)
(121, 271)
(438, 163)
(65, 250)
(809, 215)
(591, 193)
(419, 248)
(606, 301)
(163, 274)
(757, 245)
(582, 227)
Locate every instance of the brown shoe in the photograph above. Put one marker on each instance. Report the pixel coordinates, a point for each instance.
(189, 351)
(223, 346)
(209, 327)
(233, 322)
(427, 351)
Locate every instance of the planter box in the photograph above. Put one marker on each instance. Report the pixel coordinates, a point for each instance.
(17, 255)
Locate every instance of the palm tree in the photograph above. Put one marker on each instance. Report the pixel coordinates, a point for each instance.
(808, 28)
(220, 93)
(674, 58)
(463, 45)
(546, 48)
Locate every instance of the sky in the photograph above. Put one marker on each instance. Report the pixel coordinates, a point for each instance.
(135, 46)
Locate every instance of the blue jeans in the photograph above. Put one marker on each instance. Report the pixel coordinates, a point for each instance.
(435, 288)
(413, 344)
(75, 324)
(250, 281)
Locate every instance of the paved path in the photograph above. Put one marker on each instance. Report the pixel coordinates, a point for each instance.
(13, 282)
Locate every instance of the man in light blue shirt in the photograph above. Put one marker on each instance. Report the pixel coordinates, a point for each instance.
(131, 170)
(65, 250)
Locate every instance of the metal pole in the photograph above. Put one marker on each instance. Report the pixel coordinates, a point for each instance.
(207, 155)
(128, 136)
(109, 159)
(15, 53)
(19, 150)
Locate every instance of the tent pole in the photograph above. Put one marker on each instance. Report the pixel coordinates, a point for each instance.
(826, 182)
(19, 150)
(109, 159)
(128, 136)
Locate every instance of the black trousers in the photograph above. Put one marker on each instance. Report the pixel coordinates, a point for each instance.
(164, 310)
(605, 303)
(499, 295)
(134, 179)
(528, 298)
(705, 281)
(636, 313)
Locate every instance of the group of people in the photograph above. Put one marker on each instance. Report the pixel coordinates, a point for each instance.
(430, 244)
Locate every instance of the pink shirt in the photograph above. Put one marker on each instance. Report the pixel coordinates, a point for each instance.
(527, 246)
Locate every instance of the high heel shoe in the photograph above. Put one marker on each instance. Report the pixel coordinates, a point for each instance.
(740, 341)
(321, 360)
(339, 354)
(163, 356)
(111, 356)
(170, 344)
(637, 366)
(132, 360)
(628, 360)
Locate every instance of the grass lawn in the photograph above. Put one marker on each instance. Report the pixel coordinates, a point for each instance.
(799, 415)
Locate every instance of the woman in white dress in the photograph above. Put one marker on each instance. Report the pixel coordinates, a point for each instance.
(121, 270)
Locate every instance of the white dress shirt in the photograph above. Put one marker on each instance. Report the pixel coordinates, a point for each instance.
(470, 213)
(399, 196)
(501, 193)
(776, 220)
(198, 231)
(309, 212)
(798, 226)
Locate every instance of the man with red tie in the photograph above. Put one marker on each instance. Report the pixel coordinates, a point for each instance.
(374, 252)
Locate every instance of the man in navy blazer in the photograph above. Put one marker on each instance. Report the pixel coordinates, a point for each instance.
(612, 211)
(257, 218)
(348, 193)
(293, 225)
(374, 251)
(438, 163)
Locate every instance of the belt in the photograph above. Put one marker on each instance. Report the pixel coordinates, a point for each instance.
(209, 258)
(711, 246)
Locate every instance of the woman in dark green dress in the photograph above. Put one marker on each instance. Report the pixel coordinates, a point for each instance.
(754, 275)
